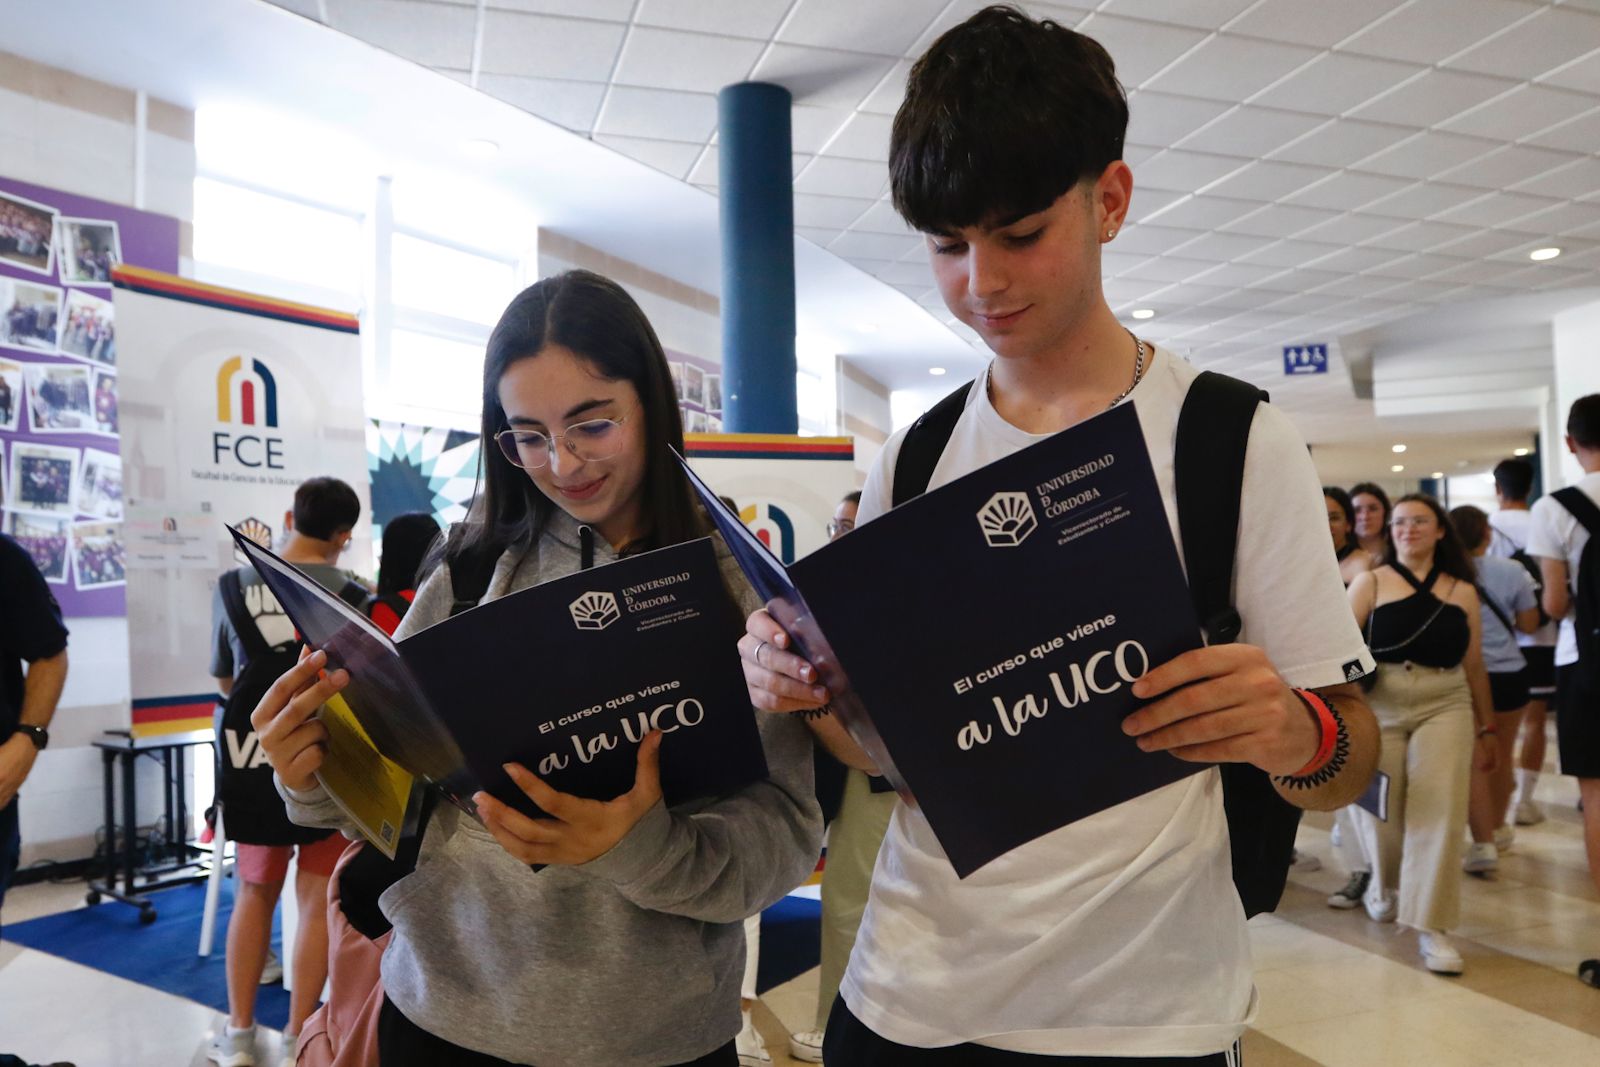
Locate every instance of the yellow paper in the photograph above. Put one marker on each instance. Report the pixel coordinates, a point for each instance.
(372, 789)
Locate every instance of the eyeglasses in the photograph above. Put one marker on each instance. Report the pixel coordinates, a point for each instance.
(1415, 522)
(840, 526)
(590, 440)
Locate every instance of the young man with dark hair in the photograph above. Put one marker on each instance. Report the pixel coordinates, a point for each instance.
(1513, 482)
(1120, 936)
(318, 530)
(1557, 537)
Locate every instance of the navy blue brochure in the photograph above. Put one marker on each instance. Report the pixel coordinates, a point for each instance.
(565, 678)
(985, 636)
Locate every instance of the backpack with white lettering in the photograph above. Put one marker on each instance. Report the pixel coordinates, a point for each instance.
(1208, 460)
(1585, 673)
(253, 812)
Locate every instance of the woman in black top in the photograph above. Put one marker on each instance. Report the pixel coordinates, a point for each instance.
(1420, 614)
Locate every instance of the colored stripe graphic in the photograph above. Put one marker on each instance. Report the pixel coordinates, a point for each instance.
(158, 283)
(247, 401)
(225, 374)
(271, 385)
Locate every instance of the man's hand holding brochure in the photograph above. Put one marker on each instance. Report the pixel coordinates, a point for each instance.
(635, 663)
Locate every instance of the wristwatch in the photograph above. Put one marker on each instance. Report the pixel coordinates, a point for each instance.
(37, 734)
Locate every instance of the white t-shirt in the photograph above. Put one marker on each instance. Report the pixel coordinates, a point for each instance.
(1510, 528)
(1555, 534)
(1120, 934)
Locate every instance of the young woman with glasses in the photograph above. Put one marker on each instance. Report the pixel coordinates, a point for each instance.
(626, 950)
(1420, 612)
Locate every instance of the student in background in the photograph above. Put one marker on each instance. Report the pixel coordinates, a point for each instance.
(406, 540)
(1508, 609)
(1353, 560)
(626, 949)
(1371, 506)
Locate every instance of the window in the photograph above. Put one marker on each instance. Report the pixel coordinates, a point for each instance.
(244, 237)
(436, 278)
(433, 373)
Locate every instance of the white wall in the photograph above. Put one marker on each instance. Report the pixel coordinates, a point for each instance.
(1577, 350)
(864, 413)
(80, 136)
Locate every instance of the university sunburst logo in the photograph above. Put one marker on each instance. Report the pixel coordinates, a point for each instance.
(595, 611)
(1007, 520)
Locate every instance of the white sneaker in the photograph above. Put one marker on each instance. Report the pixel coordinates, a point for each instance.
(752, 1053)
(272, 972)
(1529, 813)
(233, 1049)
(1304, 862)
(1504, 837)
(291, 1051)
(1350, 896)
(1481, 859)
(1438, 954)
(806, 1046)
(1381, 904)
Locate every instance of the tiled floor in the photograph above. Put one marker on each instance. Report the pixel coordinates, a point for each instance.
(1335, 988)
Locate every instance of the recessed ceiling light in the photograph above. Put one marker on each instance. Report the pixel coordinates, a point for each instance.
(481, 148)
(1437, 474)
(1521, 451)
(1539, 255)
(937, 372)
(1397, 468)
(1144, 313)
(1398, 449)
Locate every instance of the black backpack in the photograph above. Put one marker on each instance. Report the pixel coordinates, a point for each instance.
(1213, 432)
(253, 812)
(1585, 599)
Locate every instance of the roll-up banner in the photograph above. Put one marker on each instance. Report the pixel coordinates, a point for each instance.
(229, 401)
(786, 487)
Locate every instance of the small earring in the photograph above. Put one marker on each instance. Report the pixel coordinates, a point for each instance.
(1111, 233)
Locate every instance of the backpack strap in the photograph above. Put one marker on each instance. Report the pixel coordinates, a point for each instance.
(923, 445)
(244, 624)
(354, 593)
(471, 569)
(1208, 466)
(1577, 502)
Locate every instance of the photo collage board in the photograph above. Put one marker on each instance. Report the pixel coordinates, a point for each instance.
(61, 491)
(698, 383)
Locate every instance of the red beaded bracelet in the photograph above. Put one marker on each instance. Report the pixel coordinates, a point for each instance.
(1329, 726)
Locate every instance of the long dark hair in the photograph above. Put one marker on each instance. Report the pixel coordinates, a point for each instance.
(1448, 554)
(595, 318)
(406, 540)
(1342, 498)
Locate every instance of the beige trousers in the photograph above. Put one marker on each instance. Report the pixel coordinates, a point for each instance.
(1425, 715)
(853, 841)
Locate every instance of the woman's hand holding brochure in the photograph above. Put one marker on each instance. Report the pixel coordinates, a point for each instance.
(286, 720)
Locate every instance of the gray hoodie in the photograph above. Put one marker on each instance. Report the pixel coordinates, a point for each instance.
(633, 959)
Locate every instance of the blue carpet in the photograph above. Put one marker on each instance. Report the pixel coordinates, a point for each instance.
(108, 938)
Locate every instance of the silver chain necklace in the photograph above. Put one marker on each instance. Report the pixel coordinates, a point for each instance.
(1138, 374)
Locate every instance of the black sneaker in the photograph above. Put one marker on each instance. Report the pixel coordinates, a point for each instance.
(1350, 896)
(1589, 973)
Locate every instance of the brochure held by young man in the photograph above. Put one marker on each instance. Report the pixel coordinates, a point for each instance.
(565, 678)
(987, 664)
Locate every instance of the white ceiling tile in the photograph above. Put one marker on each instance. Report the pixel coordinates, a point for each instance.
(1551, 38)
(1151, 202)
(1472, 272)
(1115, 263)
(863, 136)
(741, 18)
(689, 62)
(1185, 171)
(1312, 22)
(1427, 155)
(670, 157)
(1138, 48)
(916, 275)
(1351, 260)
(883, 29)
(1119, 291)
(873, 245)
(881, 217)
(1419, 236)
(1348, 190)
(1154, 240)
(658, 114)
(1205, 212)
(311, 9)
(835, 212)
(706, 172)
(1351, 227)
(1251, 132)
(1067, 15)
(1427, 31)
(1231, 68)
(1583, 75)
(435, 35)
(812, 127)
(1497, 209)
(1357, 285)
(1281, 220)
(1290, 253)
(541, 46)
(462, 76)
(1412, 267)
(1160, 119)
(885, 98)
(823, 77)
(1342, 143)
(817, 236)
(1507, 166)
(1522, 111)
(610, 10)
(1220, 247)
(1574, 180)
(1267, 180)
(1204, 14)
(1166, 269)
(1336, 82)
(1567, 218)
(570, 104)
(1425, 199)
(843, 177)
(1432, 98)
(1579, 135)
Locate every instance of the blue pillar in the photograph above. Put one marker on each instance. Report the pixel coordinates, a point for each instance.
(757, 213)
